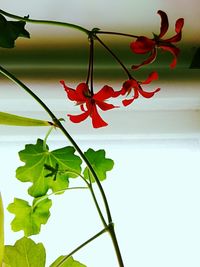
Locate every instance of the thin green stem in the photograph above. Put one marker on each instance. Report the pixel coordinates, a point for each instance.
(46, 137)
(59, 125)
(48, 22)
(82, 245)
(57, 192)
(116, 245)
(95, 201)
(92, 65)
(97, 205)
(116, 58)
(117, 33)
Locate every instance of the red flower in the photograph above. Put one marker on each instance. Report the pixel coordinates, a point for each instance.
(144, 45)
(88, 103)
(134, 85)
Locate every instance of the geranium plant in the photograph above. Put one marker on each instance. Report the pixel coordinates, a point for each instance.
(50, 172)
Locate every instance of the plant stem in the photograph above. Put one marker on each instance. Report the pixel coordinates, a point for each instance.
(64, 131)
(116, 58)
(46, 137)
(115, 244)
(48, 22)
(97, 205)
(57, 192)
(117, 33)
(81, 246)
(92, 65)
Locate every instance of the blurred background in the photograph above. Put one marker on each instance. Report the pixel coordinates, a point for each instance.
(57, 52)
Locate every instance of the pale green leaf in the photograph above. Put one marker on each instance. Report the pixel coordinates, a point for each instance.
(99, 162)
(15, 120)
(70, 262)
(29, 218)
(25, 253)
(36, 157)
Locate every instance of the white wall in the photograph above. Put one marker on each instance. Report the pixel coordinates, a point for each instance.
(153, 193)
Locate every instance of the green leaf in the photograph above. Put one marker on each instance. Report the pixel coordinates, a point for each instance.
(29, 218)
(99, 162)
(10, 31)
(25, 253)
(70, 262)
(12, 119)
(36, 157)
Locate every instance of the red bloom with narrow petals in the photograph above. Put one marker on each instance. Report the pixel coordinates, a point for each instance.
(89, 103)
(145, 45)
(135, 86)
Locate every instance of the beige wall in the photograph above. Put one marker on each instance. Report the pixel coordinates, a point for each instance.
(133, 16)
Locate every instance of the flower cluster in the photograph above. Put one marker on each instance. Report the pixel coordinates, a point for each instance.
(145, 45)
(90, 102)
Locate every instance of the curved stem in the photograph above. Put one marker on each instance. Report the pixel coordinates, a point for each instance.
(59, 125)
(117, 33)
(116, 58)
(49, 22)
(46, 137)
(82, 245)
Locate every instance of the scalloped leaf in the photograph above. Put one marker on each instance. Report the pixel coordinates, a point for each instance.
(70, 262)
(15, 120)
(99, 162)
(36, 157)
(10, 31)
(25, 253)
(29, 218)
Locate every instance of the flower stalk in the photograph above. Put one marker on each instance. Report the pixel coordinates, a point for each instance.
(47, 22)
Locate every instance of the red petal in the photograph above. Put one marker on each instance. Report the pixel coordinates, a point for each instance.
(147, 94)
(118, 93)
(174, 51)
(127, 86)
(127, 102)
(178, 28)
(149, 60)
(105, 106)
(78, 118)
(179, 25)
(133, 85)
(105, 93)
(71, 93)
(164, 23)
(152, 76)
(77, 95)
(142, 45)
(82, 91)
(97, 121)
